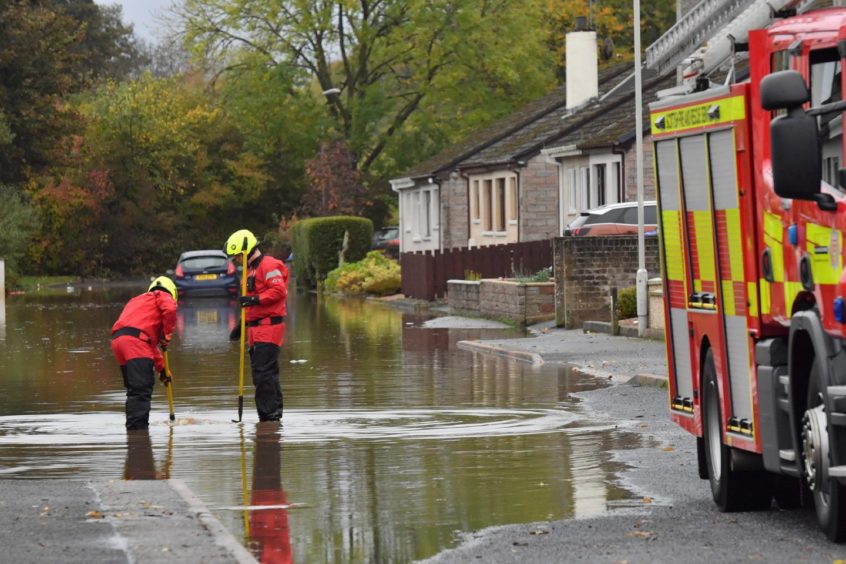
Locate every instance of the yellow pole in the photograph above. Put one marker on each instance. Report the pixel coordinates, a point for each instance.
(169, 386)
(243, 336)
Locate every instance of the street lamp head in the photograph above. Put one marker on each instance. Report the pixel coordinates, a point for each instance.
(331, 91)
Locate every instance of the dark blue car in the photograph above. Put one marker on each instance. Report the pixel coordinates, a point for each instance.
(205, 273)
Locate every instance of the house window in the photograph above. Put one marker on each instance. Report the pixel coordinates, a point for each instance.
(426, 209)
(618, 181)
(500, 204)
(512, 199)
(572, 189)
(477, 210)
(599, 172)
(487, 205)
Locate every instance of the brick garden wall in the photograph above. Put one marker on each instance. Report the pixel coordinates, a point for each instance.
(523, 303)
(463, 296)
(585, 269)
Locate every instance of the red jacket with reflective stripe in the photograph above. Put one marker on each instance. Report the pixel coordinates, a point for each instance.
(154, 313)
(271, 286)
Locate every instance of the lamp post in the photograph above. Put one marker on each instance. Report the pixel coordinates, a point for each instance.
(641, 277)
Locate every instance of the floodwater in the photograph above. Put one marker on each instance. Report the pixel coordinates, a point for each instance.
(394, 442)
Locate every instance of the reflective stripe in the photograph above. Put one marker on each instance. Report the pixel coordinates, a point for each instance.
(272, 273)
(708, 113)
(671, 233)
(825, 266)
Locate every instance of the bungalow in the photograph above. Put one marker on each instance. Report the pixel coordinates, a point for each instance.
(527, 176)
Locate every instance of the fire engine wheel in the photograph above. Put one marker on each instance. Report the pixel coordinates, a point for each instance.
(829, 495)
(732, 490)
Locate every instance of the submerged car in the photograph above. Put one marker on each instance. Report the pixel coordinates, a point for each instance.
(614, 219)
(205, 273)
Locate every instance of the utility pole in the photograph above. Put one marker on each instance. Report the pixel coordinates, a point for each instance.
(641, 278)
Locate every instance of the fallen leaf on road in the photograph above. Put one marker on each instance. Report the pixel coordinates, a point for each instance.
(647, 499)
(645, 535)
(539, 532)
(94, 515)
(669, 449)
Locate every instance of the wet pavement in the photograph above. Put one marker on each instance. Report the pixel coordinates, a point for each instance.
(395, 441)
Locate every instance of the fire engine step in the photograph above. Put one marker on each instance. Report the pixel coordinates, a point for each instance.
(784, 380)
(837, 471)
(787, 454)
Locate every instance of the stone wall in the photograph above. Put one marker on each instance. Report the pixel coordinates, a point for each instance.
(455, 230)
(538, 200)
(630, 171)
(463, 296)
(524, 303)
(585, 269)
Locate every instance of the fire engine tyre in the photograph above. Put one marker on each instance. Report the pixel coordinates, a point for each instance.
(732, 490)
(829, 495)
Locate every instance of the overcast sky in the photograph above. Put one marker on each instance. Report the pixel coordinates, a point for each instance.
(142, 15)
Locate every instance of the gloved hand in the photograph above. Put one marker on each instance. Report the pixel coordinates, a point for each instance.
(235, 334)
(163, 345)
(164, 376)
(247, 301)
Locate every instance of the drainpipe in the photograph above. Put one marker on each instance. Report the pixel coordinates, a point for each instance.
(469, 214)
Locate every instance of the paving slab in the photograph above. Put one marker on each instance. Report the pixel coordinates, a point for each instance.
(111, 521)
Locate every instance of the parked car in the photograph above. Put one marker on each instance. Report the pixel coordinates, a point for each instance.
(614, 219)
(387, 239)
(205, 273)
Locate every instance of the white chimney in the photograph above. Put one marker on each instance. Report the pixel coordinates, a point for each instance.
(582, 68)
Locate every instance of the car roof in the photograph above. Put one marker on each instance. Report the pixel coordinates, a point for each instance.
(206, 253)
(608, 207)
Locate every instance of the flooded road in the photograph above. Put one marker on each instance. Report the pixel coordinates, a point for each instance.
(393, 443)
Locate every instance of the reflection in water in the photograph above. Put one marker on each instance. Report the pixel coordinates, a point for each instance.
(395, 440)
(140, 464)
(268, 534)
(205, 323)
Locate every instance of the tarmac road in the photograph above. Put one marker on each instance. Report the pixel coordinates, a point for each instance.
(678, 521)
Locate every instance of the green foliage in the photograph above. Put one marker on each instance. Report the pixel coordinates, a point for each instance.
(409, 72)
(542, 275)
(376, 274)
(472, 275)
(18, 225)
(612, 19)
(319, 245)
(627, 303)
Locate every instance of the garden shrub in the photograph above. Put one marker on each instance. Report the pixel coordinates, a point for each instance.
(376, 274)
(627, 303)
(317, 244)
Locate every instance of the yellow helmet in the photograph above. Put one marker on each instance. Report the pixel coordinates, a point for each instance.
(164, 283)
(242, 241)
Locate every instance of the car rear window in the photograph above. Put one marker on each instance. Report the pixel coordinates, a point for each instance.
(203, 263)
(388, 234)
(649, 215)
(611, 216)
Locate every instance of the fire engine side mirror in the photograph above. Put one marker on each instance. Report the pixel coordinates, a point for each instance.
(783, 90)
(794, 137)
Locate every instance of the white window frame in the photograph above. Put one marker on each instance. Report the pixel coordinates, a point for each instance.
(489, 203)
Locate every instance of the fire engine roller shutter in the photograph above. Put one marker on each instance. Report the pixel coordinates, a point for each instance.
(674, 263)
(732, 276)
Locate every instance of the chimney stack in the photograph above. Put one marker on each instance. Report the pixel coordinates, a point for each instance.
(582, 68)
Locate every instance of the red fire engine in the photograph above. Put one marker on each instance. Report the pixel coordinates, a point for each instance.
(752, 201)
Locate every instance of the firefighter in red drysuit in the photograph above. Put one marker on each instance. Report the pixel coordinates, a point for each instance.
(267, 291)
(146, 322)
(270, 535)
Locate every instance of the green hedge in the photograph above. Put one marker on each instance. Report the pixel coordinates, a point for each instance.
(317, 243)
(627, 303)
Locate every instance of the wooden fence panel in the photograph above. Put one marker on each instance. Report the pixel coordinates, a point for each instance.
(425, 274)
